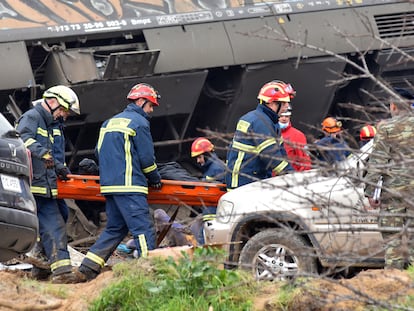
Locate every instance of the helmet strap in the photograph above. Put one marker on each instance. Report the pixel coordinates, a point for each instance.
(279, 105)
(52, 111)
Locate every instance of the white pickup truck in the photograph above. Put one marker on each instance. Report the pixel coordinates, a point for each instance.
(305, 222)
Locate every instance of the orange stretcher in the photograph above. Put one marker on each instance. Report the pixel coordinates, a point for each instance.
(173, 192)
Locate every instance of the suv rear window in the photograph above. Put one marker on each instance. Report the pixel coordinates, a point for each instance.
(5, 126)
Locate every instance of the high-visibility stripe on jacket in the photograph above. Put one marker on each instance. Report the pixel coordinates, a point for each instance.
(256, 149)
(126, 153)
(34, 128)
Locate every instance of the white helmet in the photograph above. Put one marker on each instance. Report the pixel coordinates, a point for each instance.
(65, 96)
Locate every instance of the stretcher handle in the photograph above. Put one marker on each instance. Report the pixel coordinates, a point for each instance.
(164, 181)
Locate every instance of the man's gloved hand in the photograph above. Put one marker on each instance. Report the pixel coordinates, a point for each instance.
(156, 186)
(63, 173)
(48, 160)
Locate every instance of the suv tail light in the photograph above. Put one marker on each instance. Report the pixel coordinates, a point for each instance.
(29, 158)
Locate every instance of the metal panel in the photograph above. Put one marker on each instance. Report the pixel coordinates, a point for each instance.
(130, 64)
(190, 47)
(263, 39)
(71, 66)
(15, 68)
(103, 99)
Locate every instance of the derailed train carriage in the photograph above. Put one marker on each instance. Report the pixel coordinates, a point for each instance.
(207, 59)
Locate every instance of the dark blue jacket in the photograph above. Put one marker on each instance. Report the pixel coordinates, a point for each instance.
(333, 149)
(213, 169)
(34, 128)
(59, 145)
(257, 148)
(126, 153)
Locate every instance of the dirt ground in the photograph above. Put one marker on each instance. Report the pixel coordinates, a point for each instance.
(19, 292)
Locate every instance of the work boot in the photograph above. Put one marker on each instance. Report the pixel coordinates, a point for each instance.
(71, 277)
(87, 272)
(40, 274)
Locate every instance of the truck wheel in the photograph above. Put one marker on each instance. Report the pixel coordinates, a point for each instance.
(276, 255)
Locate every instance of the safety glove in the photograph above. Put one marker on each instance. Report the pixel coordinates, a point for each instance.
(48, 160)
(63, 173)
(156, 186)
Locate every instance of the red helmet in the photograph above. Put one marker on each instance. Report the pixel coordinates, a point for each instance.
(201, 145)
(143, 90)
(331, 125)
(276, 91)
(367, 132)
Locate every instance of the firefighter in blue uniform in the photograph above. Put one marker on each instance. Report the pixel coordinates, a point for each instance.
(35, 129)
(213, 170)
(127, 166)
(257, 151)
(58, 153)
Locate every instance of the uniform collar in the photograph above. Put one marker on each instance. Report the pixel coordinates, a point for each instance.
(269, 112)
(136, 108)
(46, 115)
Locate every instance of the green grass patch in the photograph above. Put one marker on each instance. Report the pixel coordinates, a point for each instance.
(169, 285)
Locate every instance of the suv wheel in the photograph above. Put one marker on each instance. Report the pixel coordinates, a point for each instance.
(276, 255)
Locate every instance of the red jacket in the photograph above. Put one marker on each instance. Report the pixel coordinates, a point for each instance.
(295, 142)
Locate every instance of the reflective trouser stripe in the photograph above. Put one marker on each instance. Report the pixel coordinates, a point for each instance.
(60, 263)
(96, 259)
(143, 245)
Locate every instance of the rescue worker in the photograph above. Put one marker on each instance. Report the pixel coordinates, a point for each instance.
(366, 133)
(212, 167)
(257, 148)
(35, 129)
(295, 143)
(127, 166)
(213, 171)
(58, 153)
(332, 148)
(391, 163)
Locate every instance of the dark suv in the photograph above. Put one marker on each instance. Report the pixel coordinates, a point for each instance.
(18, 220)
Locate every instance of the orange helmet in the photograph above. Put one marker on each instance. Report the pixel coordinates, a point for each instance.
(276, 91)
(143, 90)
(367, 132)
(331, 125)
(201, 145)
